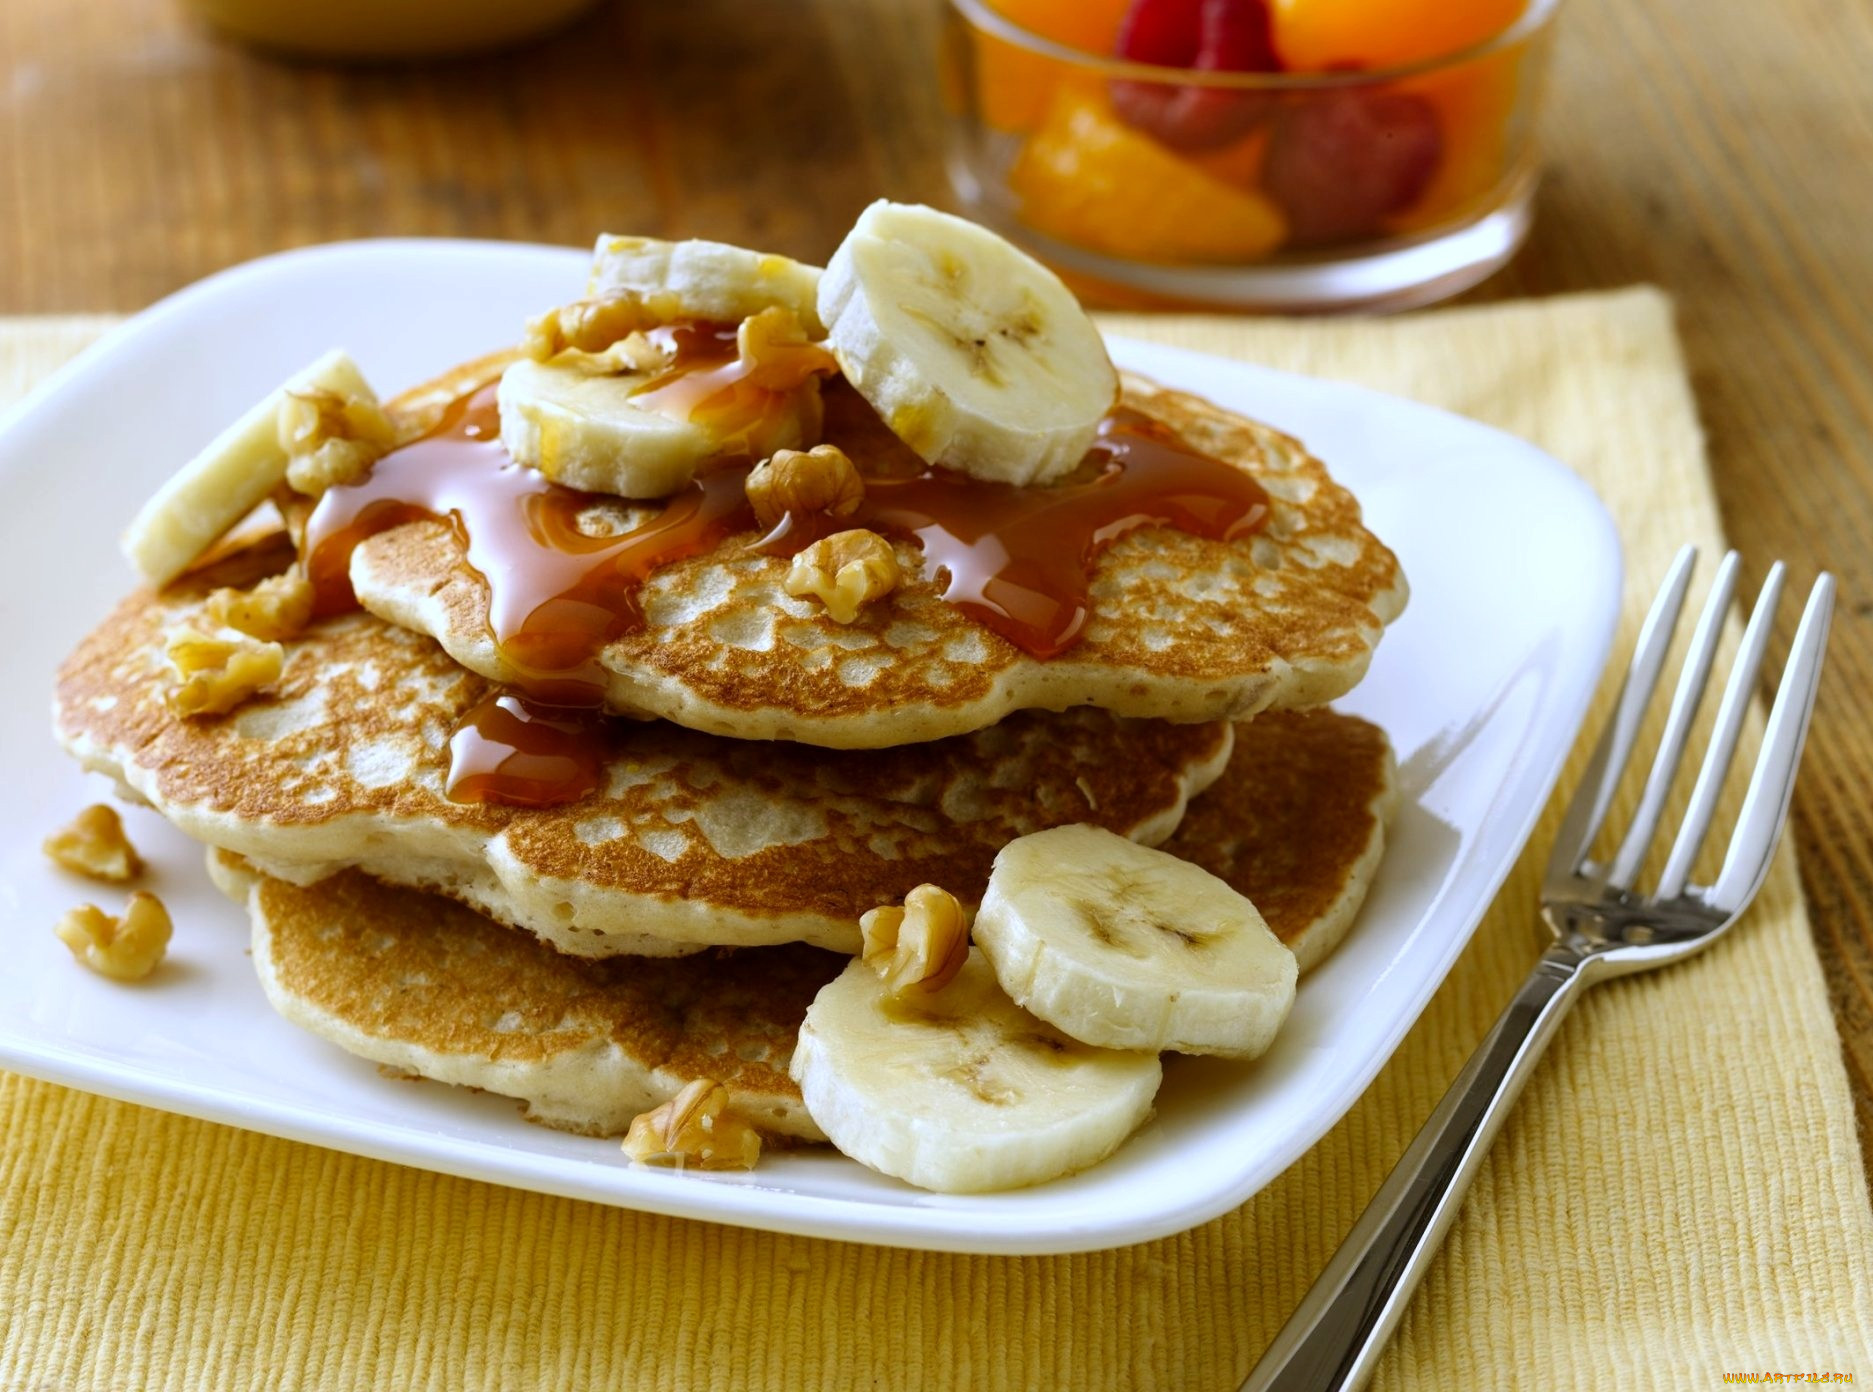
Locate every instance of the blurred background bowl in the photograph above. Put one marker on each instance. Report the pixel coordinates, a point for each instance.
(1392, 172)
(386, 29)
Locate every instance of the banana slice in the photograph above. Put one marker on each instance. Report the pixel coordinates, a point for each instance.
(585, 432)
(644, 434)
(960, 1090)
(969, 349)
(1130, 948)
(228, 479)
(705, 280)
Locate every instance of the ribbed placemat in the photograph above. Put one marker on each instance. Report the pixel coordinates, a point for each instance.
(1678, 1195)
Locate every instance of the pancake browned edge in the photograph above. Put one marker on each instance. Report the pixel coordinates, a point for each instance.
(1297, 823)
(1181, 627)
(692, 841)
(423, 986)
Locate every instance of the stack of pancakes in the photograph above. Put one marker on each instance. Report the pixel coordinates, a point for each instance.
(766, 775)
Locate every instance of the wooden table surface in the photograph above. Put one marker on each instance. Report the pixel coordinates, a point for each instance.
(1723, 151)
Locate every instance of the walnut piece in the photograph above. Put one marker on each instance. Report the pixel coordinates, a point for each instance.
(214, 675)
(586, 329)
(635, 352)
(278, 607)
(777, 354)
(820, 480)
(95, 845)
(919, 947)
(295, 510)
(845, 572)
(125, 949)
(332, 438)
(694, 1128)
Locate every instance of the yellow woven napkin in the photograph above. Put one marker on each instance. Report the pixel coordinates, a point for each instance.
(1678, 1195)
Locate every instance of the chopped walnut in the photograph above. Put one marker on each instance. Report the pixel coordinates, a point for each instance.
(919, 947)
(694, 1128)
(95, 845)
(278, 607)
(214, 675)
(845, 572)
(295, 511)
(777, 353)
(637, 353)
(588, 328)
(332, 438)
(821, 479)
(126, 948)
(603, 336)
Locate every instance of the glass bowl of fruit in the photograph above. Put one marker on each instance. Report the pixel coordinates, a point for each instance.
(1282, 155)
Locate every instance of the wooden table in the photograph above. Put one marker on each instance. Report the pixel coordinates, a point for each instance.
(1722, 151)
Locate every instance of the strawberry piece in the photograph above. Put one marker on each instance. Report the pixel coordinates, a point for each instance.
(1238, 36)
(1208, 36)
(1340, 163)
(1164, 33)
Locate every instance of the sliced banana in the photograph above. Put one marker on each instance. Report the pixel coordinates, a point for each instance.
(1130, 948)
(644, 434)
(228, 479)
(591, 432)
(960, 1090)
(968, 348)
(584, 431)
(705, 280)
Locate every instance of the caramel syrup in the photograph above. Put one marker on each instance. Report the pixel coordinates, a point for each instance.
(1016, 559)
(556, 595)
(509, 750)
(1019, 560)
(708, 382)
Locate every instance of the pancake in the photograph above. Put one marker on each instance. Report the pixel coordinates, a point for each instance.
(1297, 823)
(691, 840)
(426, 987)
(1180, 627)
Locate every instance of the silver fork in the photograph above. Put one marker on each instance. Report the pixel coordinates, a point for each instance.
(1603, 927)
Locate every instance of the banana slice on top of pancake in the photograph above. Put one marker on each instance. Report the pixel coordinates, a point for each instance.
(585, 431)
(1130, 948)
(710, 281)
(960, 1090)
(683, 353)
(975, 354)
(701, 392)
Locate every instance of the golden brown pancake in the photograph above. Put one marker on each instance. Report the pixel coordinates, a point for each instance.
(1181, 628)
(422, 985)
(426, 987)
(1297, 823)
(692, 840)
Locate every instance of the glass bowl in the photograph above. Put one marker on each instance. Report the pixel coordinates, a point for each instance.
(1286, 192)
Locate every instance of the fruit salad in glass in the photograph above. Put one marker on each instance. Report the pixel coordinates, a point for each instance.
(1273, 154)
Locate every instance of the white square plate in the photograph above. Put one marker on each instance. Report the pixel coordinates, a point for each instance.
(1514, 567)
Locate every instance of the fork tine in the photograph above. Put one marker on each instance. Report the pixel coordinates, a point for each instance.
(1765, 805)
(1588, 808)
(1736, 697)
(1684, 702)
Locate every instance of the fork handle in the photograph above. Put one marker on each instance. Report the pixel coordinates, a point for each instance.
(1334, 1337)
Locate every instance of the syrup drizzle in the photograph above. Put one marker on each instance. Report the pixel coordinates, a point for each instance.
(704, 358)
(507, 749)
(556, 595)
(1018, 560)
(710, 383)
